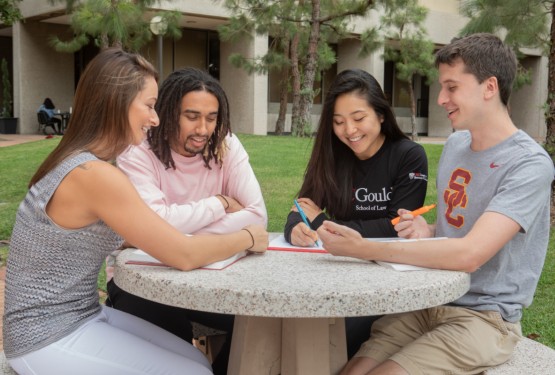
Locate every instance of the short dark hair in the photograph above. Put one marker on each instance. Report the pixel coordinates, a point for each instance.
(484, 55)
(48, 104)
(168, 106)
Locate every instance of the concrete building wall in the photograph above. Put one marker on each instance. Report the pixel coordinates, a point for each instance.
(526, 103)
(348, 58)
(438, 123)
(247, 94)
(446, 6)
(39, 72)
(212, 8)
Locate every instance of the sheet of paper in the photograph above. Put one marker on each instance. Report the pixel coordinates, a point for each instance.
(400, 266)
(220, 265)
(280, 244)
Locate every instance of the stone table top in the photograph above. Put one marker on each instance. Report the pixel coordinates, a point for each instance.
(293, 284)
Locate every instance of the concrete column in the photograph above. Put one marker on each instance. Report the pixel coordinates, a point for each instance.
(247, 94)
(526, 103)
(438, 123)
(39, 72)
(347, 58)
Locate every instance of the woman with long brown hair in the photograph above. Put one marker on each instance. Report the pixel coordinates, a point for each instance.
(80, 208)
(363, 168)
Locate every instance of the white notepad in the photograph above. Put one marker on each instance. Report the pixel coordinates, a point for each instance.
(140, 257)
(280, 244)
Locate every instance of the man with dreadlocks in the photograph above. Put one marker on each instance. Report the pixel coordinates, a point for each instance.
(195, 174)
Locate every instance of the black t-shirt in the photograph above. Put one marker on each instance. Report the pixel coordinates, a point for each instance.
(395, 177)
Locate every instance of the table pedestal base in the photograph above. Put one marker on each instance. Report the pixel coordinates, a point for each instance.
(287, 346)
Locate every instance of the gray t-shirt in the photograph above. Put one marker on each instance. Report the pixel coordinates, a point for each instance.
(512, 178)
(52, 272)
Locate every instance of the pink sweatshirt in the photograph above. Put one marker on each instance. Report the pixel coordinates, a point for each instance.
(185, 197)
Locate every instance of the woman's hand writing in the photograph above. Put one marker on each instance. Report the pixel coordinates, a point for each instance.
(301, 235)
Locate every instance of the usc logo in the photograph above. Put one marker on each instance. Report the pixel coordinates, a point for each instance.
(455, 196)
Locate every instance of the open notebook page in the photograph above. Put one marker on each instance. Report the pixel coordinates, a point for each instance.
(141, 258)
(280, 244)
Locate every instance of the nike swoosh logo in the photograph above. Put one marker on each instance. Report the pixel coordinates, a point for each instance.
(493, 165)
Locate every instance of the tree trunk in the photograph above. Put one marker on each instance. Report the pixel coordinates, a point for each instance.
(550, 112)
(307, 87)
(283, 92)
(414, 133)
(296, 75)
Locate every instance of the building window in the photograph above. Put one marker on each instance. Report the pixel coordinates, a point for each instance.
(199, 49)
(397, 93)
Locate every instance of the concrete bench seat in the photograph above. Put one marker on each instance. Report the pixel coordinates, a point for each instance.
(530, 357)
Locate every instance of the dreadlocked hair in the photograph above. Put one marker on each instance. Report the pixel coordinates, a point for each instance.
(168, 106)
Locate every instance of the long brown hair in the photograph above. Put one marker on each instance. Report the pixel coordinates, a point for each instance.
(100, 120)
(328, 178)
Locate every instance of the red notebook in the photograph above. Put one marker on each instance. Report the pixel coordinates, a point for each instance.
(280, 244)
(141, 258)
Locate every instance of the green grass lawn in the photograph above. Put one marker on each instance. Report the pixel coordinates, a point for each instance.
(279, 163)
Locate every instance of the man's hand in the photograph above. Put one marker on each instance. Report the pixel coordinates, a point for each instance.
(340, 240)
(412, 227)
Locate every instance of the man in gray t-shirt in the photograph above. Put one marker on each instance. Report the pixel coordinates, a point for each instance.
(510, 179)
(494, 187)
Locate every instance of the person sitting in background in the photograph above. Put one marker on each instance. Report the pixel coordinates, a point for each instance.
(78, 210)
(196, 175)
(363, 168)
(48, 107)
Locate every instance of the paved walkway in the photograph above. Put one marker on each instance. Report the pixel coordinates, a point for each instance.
(15, 139)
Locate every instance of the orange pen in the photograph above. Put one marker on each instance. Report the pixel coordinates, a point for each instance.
(418, 211)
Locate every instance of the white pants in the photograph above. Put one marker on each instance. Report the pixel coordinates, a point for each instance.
(115, 342)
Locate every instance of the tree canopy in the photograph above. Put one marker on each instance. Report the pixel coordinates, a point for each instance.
(303, 28)
(9, 12)
(112, 23)
(524, 24)
(411, 51)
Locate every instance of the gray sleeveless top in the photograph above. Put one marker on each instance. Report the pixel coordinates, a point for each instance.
(51, 277)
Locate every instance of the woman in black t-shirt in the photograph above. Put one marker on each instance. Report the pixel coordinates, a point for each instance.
(363, 168)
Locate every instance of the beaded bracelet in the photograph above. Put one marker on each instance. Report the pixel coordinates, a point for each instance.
(225, 200)
(252, 237)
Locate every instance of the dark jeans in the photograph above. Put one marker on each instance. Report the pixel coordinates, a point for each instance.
(358, 331)
(174, 319)
(58, 126)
